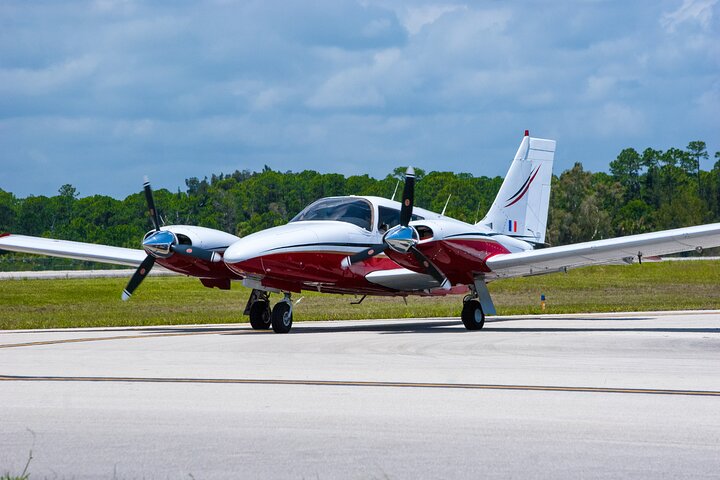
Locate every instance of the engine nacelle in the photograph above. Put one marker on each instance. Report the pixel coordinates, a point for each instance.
(207, 238)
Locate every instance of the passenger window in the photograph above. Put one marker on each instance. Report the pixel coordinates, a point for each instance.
(391, 217)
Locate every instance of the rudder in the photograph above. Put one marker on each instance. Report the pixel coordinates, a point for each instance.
(521, 206)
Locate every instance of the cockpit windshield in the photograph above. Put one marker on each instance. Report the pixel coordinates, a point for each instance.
(351, 210)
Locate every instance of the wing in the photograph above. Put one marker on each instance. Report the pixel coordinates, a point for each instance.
(612, 250)
(67, 249)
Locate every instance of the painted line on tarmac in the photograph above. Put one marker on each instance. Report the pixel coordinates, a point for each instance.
(114, 337)
(350, 383)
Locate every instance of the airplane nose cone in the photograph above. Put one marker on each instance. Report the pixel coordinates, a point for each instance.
(244, 257)
(238, 251)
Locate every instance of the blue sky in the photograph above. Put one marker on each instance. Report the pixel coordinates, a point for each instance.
(100, 93)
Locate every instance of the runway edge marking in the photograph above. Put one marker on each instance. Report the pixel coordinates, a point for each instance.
(349, 383)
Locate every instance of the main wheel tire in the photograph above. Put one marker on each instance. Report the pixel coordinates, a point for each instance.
(472, 315)
(282, 317)
(260, 315)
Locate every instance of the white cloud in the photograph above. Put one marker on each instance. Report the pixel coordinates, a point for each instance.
(415, 18)
(707, 104)
(26, 81)
(115, 6)
(600, 86)
(358, 86)
(619, 119)
(268, 98)
(127, 129)
(691, 11)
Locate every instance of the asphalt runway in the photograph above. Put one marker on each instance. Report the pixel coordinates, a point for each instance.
(601, 396)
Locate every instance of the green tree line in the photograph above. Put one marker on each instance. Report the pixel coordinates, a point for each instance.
(644, 191)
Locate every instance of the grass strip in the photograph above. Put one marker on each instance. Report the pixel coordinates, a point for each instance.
(178, 300)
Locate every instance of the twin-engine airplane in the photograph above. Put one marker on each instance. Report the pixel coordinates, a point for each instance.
(374, 246)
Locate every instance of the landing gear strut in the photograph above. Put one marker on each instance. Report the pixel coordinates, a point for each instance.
(282, 317)
(472, 315)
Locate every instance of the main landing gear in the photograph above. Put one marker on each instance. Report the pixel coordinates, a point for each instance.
(472, 315)
(262, 318)
(476, 305)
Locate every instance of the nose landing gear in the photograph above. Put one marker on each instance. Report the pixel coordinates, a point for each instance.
(260, 315)
(282, 315)
(262, 318)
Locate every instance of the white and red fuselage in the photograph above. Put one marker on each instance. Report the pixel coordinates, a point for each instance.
(307, 253)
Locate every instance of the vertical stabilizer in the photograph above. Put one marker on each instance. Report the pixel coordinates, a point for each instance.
(521, 206)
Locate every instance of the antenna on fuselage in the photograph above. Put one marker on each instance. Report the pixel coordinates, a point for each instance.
(477, 211)
(395, 191)
(446, 204)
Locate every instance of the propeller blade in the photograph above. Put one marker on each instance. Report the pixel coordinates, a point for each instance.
(151, 204)
(138, 276)
(430, 268)
(196, 252)
(364, 255)
(408, 197)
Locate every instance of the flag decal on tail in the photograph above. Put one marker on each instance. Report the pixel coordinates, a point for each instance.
(523, 190)
(512, 225)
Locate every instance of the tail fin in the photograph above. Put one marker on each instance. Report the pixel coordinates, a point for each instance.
(521, 206)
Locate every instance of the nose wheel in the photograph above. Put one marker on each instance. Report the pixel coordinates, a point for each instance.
(260, 315)
(282, 316)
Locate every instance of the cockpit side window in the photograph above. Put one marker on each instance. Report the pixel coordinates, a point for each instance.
(351, 210)
(390, 217)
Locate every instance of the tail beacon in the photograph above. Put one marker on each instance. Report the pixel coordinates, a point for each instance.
(521, 206)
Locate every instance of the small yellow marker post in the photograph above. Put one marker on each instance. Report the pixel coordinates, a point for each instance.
(542, 302)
